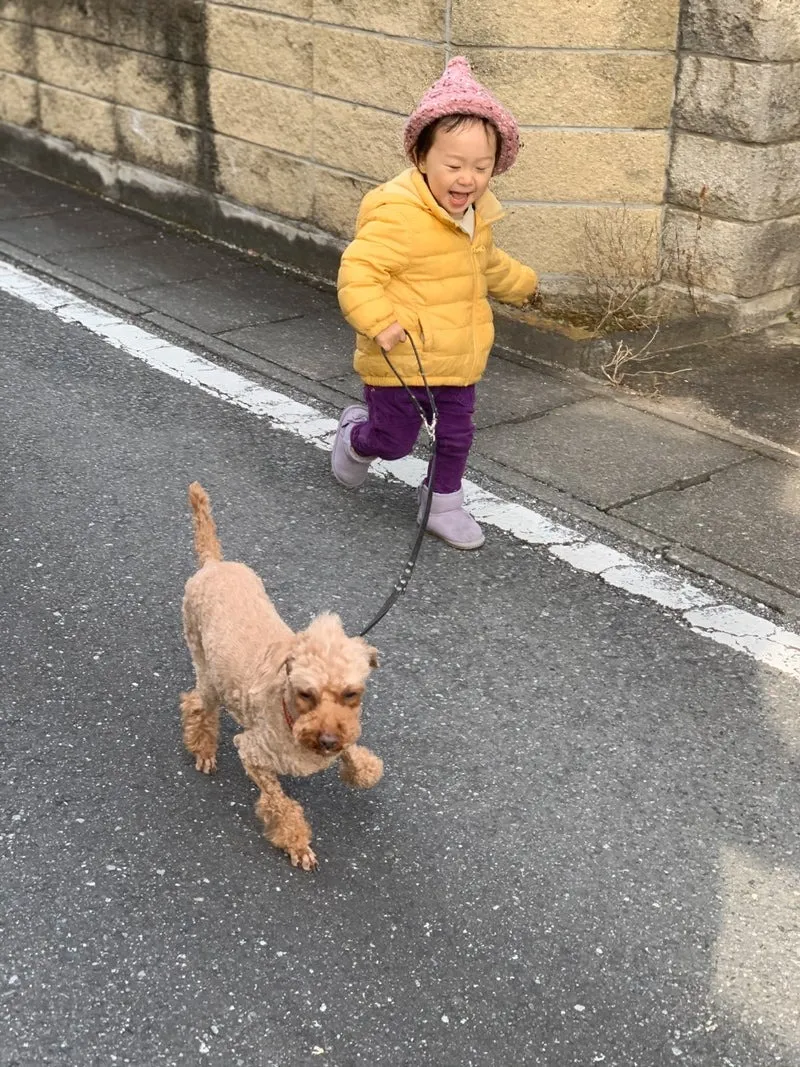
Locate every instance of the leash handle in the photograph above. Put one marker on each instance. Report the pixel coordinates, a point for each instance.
(430, 424)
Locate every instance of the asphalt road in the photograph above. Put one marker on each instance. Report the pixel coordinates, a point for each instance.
(585, 848)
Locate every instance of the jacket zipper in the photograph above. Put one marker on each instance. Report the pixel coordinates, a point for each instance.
(473, 247)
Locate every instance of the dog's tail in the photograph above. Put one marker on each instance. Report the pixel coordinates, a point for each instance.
(206, 542)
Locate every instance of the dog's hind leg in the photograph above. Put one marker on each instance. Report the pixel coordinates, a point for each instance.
(200, 729)
(285, 825)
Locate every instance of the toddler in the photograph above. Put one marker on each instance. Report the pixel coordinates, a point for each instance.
(420, 267)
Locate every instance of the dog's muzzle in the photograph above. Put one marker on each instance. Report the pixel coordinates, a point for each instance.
(328, 743)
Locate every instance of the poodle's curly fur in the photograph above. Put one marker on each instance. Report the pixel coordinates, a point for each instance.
(296, 695)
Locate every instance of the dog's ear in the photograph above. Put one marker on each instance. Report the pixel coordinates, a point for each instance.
(372, 653)
(291, 654)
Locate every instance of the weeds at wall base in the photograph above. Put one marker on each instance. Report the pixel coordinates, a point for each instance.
(619, 291)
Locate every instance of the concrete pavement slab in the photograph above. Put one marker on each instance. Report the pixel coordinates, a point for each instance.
(73, 228)
(747, 516)
(753, 382)
(23, 194)
(300, 386)
(349, 384)
(509, 391)
(605, 453)
(37, 264)
(154, 260)
(229, 301)
(751, 587)
(319, 345)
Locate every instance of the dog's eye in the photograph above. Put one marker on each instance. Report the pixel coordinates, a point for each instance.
(306, 695)
(351, 696)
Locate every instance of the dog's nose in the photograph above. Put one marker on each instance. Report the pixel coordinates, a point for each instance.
(328, 742)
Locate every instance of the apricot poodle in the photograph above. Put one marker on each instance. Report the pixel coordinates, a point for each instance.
(297, 696)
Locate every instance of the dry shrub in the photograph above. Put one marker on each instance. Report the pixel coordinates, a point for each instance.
(623, 265)
(621, 268)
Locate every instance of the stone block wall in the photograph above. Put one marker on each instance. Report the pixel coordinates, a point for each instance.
(120, 78)
(734, 176)
(284, 112)
(591, 85)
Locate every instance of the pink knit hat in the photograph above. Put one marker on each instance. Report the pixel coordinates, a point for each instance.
(457, 93)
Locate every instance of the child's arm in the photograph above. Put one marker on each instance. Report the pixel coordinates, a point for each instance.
(380, 249)
(508, 279)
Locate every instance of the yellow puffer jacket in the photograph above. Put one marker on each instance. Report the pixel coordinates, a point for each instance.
(411, 263)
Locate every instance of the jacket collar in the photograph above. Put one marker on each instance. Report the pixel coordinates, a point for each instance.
(488, 207)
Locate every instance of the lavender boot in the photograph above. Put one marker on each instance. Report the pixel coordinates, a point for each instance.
(449, 520)
(349, 469)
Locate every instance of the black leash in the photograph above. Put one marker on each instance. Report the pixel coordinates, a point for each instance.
(430, 425)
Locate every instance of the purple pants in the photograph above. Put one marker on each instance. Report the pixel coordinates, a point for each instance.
(391, 430)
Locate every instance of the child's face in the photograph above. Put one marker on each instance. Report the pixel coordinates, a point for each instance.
(459, 164)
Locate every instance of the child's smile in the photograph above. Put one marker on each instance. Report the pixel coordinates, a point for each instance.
(459, 164)
(459, 200)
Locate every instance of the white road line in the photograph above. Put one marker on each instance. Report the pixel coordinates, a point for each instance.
(704, 613)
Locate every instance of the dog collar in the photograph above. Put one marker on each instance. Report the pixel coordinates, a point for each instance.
(286, 715)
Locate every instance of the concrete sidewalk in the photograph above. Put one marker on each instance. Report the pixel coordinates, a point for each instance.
(707, 474)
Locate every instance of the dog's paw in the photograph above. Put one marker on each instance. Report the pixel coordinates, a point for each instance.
(304, 858)
(362, 770)
(206, 764)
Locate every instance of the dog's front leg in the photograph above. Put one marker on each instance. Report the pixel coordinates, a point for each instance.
(360, 768)
(285, 824)
(200, 718)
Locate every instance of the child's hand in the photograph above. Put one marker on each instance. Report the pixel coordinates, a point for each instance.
(390, 337)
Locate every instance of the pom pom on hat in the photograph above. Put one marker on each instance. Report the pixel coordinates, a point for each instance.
(458, 93)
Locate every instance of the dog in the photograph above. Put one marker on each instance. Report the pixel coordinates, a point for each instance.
(297, 696)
